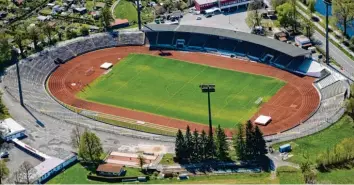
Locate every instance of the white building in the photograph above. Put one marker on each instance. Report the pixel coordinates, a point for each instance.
(10, 129)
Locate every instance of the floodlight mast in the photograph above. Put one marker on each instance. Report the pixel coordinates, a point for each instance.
(328, 3)
(14, 59)
(208, 88)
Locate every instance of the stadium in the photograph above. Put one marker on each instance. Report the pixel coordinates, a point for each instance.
(254, 76)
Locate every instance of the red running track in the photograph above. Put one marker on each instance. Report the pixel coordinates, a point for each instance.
(293, 103)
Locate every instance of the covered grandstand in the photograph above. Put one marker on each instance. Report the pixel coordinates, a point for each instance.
(233, 43)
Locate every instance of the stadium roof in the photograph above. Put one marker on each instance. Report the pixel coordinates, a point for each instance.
(256, 39)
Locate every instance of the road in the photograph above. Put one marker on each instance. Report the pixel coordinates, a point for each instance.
(340, 57)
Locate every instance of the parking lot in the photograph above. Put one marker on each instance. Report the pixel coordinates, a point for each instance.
(235, 20)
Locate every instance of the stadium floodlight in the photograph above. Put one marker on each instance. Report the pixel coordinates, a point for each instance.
(208, 88)
(14, 58)
(328, 3)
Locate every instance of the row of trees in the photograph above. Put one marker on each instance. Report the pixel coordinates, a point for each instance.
(23, 34)
(248, 143)
(341, 154)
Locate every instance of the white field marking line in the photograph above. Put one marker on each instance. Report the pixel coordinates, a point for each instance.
(205, 67)
(250, 102)
(232, 98)
(166, 88)
(127, 82)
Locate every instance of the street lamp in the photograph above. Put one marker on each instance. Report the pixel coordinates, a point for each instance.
(208, 88)
(328, 3)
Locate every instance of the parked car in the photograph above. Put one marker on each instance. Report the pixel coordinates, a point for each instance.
(4, 154)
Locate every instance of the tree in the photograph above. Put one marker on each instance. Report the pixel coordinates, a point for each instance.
(276, 3)
(239, 143)
(90, 147)
(311, 6)
(222, 146)
(308, 27)
(260, 146)
(285, 17)
(249, 147)
(196, 155)
(211, 148)
(253, 14)
(4, 171)
(180, 146)
(106, 17)
(48, 31)
(5, 48)
(84, 30)
(26, 173)
(343, 11)
(203, 145)
(350, 107)
(20, 36)
(307, 171)
(34, 33)
(75, 137)
(294, 13)
(188, 143)
(141, 161)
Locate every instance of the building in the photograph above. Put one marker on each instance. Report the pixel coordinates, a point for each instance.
(202, 5)
(120, 23)
(108, 169)
(10, 129)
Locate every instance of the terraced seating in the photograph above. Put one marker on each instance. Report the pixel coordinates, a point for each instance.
(81, 45)
(130, 38)
(35, 69)
(104, 40)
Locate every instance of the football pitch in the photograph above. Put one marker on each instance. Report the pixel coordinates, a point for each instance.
(170, 88)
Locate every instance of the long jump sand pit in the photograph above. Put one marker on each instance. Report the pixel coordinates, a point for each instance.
(291, 105)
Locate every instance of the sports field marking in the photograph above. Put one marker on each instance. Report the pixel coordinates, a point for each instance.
(168, 87)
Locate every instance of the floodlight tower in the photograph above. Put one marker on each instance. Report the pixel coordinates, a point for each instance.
(14, 59)
(328, 3)
(138, 9)
(208, 88)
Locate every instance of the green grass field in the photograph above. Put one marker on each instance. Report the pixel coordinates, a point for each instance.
(171, 88)
(126, 10)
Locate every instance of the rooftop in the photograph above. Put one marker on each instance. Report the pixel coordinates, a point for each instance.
(200, 2)
(10, 127)
(284, 48)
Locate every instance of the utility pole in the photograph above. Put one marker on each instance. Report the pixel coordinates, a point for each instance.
(328, 3)
(14, 58)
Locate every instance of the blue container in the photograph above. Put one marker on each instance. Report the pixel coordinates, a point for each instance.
(285, 148)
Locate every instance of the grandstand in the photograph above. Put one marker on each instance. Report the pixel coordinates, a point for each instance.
(232, 43)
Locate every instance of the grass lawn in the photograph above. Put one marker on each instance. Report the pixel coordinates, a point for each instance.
(171, 88)
(126, 10)
(261, 178)
(77, 175)
(340, 176)
(320, 142)
(167, 159)
(289, 175)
